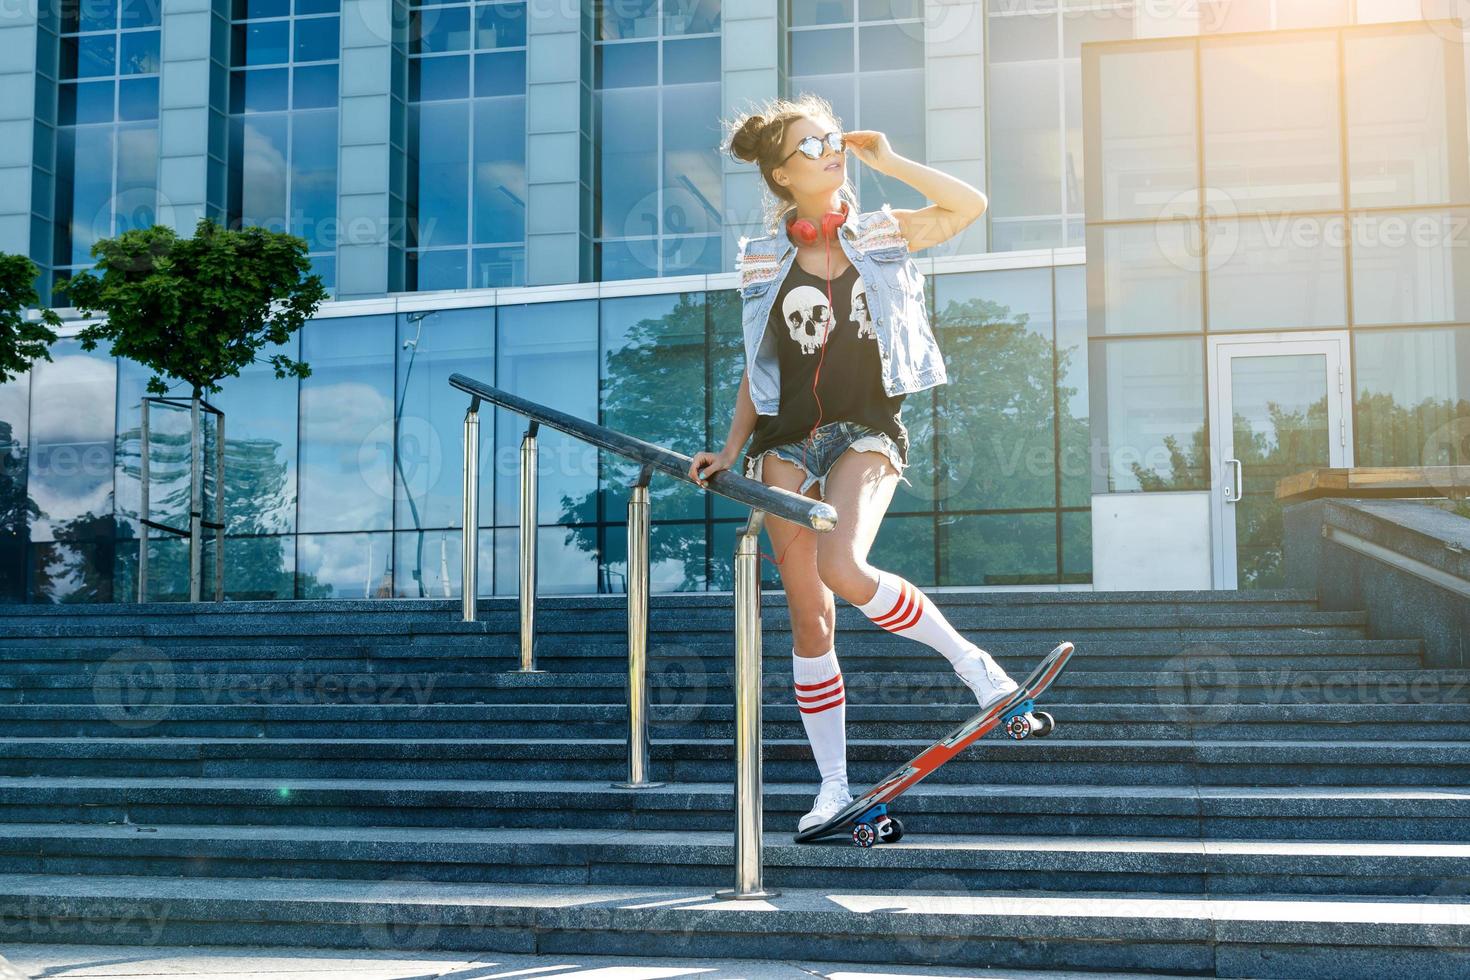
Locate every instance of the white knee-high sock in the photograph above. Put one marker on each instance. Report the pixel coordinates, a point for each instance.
(822, 703)
(899, 607)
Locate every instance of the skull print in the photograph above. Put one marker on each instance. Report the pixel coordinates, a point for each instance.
(808, 317)
(860, 314)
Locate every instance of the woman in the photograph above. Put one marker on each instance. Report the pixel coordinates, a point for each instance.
(843, 290)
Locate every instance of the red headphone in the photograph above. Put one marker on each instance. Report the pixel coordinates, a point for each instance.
(806, 233)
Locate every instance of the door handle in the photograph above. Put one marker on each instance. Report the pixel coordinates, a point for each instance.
(1237, 483)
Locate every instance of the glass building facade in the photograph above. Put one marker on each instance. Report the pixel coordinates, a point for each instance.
(536, 197)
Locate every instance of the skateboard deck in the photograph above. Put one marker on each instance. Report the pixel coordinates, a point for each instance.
(868, 814)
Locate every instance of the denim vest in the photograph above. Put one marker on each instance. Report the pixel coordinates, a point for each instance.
(873, 242)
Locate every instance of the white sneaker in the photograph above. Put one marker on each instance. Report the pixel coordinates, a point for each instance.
(984, 677)
(831, 798)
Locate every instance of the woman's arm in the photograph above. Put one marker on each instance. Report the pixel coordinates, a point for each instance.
(743, 424)
(956, 203)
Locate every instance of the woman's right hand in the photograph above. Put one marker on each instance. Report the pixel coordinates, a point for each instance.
(710, 463)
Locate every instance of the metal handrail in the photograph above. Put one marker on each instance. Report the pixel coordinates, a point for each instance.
(762, 499)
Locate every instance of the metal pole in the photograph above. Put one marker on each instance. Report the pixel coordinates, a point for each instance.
(470, 570)
(748, 803)
(528, 548)
(638, 636)
(143, 511)
(219, 507)
(196, 490)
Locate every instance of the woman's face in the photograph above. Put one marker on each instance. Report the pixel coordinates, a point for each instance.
(804, 176)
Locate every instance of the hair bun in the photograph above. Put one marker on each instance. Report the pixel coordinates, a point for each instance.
(745, 144)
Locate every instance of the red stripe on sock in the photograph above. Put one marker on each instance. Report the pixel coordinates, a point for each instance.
(914, 618)
(901, 602)
(905, 612)
(812, 699)
(812, 711)
(813, 687)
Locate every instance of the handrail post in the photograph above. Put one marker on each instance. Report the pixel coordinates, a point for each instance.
(196, 505)
(638, 635)
(749, 808)
(470, 569)
(528, 549)
(143, 478)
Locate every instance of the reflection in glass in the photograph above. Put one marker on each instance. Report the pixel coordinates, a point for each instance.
(16, 508)
(1152, 431)
(347, 426)
(1279, 428)
(998, 549)
(1144, 278)
(677, 556)
(1413, 397)
(344, 566)
(1073, 414)
(1271, 273)
(1411, 267)
(564, 564)
(1148, 144)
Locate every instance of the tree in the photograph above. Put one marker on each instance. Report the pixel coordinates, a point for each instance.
(198, 309)
(22, 340)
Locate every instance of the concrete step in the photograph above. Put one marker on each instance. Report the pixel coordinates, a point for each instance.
(1362, 812)
(706, 858)
(929, 921)
(672, 686)
(1220, 720)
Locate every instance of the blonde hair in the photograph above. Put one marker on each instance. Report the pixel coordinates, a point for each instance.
(757, 137)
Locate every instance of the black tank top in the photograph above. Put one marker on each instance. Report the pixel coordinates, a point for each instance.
(851, 380)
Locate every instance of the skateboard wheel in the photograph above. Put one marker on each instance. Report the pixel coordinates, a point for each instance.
(864, 835)
(1047, 724)
(1018, 727)
(891, 832)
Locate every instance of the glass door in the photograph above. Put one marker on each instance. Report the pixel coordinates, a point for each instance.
(1279, 404)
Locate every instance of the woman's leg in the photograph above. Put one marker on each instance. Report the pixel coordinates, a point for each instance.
(817, 679)
(860, 486)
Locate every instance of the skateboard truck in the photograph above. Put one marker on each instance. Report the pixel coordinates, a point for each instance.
(876, 825)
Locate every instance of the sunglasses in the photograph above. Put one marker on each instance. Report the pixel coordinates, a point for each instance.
(812, 146)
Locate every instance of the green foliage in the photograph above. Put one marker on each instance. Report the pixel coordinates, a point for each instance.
(21, 340)
(198, 309)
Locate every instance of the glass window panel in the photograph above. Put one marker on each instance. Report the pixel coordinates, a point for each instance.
(314, 87)
(257, 9)
(1024, 152)
(442, 268)
(629, 18)
(500, 73)
(97, 15)
(260, 466)
(140, 53)
(267, 43)
(893, 103)
(804, 13)
(1076, 547)
(86, 102)
(71, 458)
(996, 414)
(891, 47)
(442, 29)
(695, 60)
(1022, 37)
(1271, 124)
(652, 386)
(71, 571)
(691, 16)
(1413, 397)
(565, 564)
(500, 25)
(1076, 457)
(259, 568)
(317, 6)
(998, 549)
(692, 173)
(904, 546)
(344, 566)
(439, 78)
(428, 563)
(317, 39)
(1411, 267)
(821, 52)
(443, 176)
(1401, 149)
(1152, 428)
(627, 65)
(500, 169)
(137, 98)
(96, 55)
(491, 267)
(430, 459)
(548, 352)
(1096, 24)
(629, 164)
(262, 90)
(259, 166)
(1268, 274)
(677, 557)
(1144, 278)
(726, 365)
(1147, 122)
(1072, 188)
(314, 178)
(139, 13)
(890, 10)
(136, 202)
(85, 191)
(346, 480)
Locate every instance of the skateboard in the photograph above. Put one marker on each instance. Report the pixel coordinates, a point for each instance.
(868, 814)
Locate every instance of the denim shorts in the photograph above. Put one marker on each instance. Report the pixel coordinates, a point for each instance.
(826, 444)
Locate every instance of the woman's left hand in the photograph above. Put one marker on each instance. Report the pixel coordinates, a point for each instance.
(869, 146)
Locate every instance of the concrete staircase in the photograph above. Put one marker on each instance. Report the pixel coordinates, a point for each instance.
(1241, 785)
